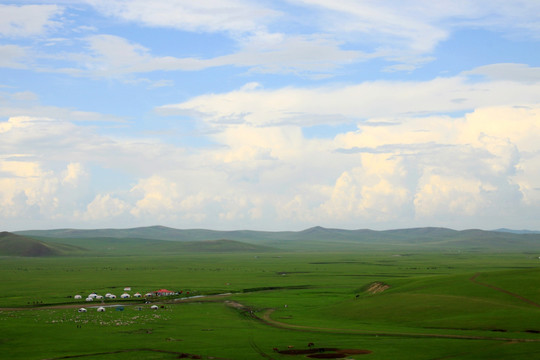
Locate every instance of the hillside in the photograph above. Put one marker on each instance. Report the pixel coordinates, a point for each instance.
(106, 246)
(319, 238)
(16, 245)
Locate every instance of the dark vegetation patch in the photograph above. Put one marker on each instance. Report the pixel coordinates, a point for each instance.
(263, 288)
(324, 353)
(327, 356)
(306, 351)
(179, 355)
(337, 262)
(139, 331)
(373, 275)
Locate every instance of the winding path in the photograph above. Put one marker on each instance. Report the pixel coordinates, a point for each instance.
(267, 319)
(517, 296)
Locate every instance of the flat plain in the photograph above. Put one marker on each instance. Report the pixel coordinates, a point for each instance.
(351, 302)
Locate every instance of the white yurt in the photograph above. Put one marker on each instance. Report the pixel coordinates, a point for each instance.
(77, 297)
(147, 294)
(127, 288)
(125, 296)
(101, 309)
(112, 296)
(89, 299)
(154, 307)
(81, 310)
(92, 295)
(108, 295)
(137, 295)
(99, 297)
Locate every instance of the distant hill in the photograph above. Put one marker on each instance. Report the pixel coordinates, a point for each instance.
(313, 239)
(107, 246)
(222, 245)
(518, 231)
(16, 245)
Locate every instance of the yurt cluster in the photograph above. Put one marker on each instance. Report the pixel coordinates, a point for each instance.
(126, 295)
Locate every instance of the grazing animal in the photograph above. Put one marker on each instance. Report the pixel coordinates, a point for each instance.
(310, 345)
(290, 346)
(275, 349)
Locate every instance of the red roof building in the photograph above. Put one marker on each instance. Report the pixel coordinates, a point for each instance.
(163, 292)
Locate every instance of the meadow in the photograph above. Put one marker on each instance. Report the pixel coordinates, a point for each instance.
(429, 305)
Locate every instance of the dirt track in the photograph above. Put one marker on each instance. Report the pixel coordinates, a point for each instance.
(266, 318)
(517, 296)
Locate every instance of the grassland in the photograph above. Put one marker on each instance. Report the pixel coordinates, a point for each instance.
(460, 304)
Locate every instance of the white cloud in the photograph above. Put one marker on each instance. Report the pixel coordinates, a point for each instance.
(28, 20)
(202, 15)
(406, 32)
(375, 190)
(338, 104)
(73, 173)
(508, 72)
(113, 56)
(104, 207)
(439, 196)
(13, 56)
(415, 171)
(26, 105)
(159, 197)
(26, 189)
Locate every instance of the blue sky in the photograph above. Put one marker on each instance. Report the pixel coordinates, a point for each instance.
(271, 115)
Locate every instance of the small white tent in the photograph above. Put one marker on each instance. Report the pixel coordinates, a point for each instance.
(137, 295)
(77, 297)
(89, 299)
(154, 307)
(112, 296)
(81, 310)
(125, 296)
(101, 309)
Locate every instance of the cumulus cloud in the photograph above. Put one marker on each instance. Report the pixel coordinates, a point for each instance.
(73, 173)
(413, 170)
(105, 207)
(26, 189)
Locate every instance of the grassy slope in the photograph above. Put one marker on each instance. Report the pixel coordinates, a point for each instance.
(15, 245)
(429, 292)
(136, 246)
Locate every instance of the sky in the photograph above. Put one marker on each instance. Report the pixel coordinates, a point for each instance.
(269, 115)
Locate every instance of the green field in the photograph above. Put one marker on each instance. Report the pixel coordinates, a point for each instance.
(434, 305)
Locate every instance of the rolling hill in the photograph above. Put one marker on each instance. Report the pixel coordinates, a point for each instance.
(16, 245)
(107, 246)
(316, 238)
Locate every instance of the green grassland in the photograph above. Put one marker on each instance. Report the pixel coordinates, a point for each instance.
(451, 304)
